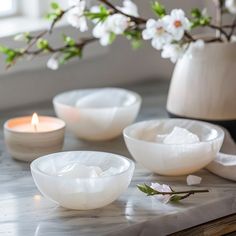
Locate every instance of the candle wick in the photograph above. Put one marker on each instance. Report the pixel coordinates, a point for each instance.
(35, 128)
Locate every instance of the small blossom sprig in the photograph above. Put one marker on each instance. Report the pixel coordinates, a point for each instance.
(169, 32)
(165, 193)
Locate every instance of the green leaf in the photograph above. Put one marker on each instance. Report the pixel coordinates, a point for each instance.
(103, 9)
(68, 40)
(147, 189)
(136, 44)
(112, 38)
(135, 35)
(55, 5)
(199, 19)
(99, 16)
(42, 43)
(196, 13)
(142, 188)
(70, 53)
(175, 198)
(51, 16)
(4, 50)
(159, 9)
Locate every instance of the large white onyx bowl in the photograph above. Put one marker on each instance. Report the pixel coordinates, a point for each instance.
(145, 143)
(75, 191)
(97, 114)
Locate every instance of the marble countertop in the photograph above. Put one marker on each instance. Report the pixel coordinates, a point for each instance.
(23, 211)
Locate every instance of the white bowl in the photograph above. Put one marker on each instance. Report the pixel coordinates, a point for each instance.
(173, 159)
(102, 119)
(82, 193)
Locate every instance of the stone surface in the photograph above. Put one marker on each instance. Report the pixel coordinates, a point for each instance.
(23, 211)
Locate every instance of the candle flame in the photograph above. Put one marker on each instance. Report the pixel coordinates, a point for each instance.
(35, 121)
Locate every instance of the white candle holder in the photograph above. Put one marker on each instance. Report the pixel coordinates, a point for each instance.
(173, 159)
(97, 114)
(82, 193)
(25, 144)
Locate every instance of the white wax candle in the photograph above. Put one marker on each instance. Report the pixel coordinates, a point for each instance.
(29, 137)
(43, 126)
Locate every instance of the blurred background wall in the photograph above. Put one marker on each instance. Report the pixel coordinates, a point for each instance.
(32, 82)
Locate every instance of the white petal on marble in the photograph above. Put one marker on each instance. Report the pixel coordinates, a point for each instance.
(193, 180)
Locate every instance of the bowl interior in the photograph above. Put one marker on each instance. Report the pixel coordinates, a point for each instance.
(148, 130)
(97, 98)
(51, 164)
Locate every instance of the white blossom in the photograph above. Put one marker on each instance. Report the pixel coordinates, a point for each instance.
(129, 8)
(102, 32)
(20, 38)
(193, 180)
(53, 63)
(75, 3)
(162, 188)
(177, 23)
(116, 23)
(233, 39)
(156, 31)
(173, 51)
(76, 17)
(231, 6)
(195, 46)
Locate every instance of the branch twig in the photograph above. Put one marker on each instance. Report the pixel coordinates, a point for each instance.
(137, 20)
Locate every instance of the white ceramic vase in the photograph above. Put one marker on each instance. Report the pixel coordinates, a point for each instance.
(204, 86)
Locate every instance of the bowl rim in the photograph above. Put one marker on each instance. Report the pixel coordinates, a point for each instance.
(34, 165)
(126, 131)
(138, 98)
(61, 127)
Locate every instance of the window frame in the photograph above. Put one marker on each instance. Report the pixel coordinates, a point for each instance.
(13, 12)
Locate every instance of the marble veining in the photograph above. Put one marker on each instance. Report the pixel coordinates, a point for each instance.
(23, 211)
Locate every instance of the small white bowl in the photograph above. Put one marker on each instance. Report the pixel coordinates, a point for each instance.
(173, 159)
(104, 120)
(82, 193)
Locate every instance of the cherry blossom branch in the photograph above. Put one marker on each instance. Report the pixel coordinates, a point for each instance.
(162, 190)
(190, 192)
(34, 39)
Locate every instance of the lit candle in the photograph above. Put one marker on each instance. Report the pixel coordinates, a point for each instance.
(32, 136)
(35, 121)
(35, 124)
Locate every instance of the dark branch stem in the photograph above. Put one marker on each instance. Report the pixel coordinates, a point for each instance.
(232, 29)
(219, 29)
(180, 192)
(219, 11)
(137, 20)
(189, 36)
(81, 45)
(213, 40)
